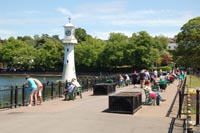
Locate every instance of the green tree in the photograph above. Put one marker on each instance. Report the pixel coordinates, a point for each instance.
(80, 34)
(50, 53)
(143, 53)
(188, 50)
(113, 53)
(16, 54)
(87, 52)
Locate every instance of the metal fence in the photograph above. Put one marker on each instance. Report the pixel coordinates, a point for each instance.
(189, 104)
(14, 96)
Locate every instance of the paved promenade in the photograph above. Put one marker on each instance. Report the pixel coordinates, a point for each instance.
(88, 115)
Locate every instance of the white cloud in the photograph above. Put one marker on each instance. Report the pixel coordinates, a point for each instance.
(128, 19)
(105, 35)
(110, 7)
(64, 11)
(145, 18)
(148, 22)
(100, 35)
(167, 34)
(6, 33)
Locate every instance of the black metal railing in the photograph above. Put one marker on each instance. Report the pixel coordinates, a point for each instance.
(197, 106)
(181, 91)
(14, 96)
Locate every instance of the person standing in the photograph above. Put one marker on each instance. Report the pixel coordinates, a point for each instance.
(40, 88)
(33, 90)
(135, 78)
(142, 78)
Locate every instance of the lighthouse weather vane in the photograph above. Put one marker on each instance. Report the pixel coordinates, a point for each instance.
(69, 19)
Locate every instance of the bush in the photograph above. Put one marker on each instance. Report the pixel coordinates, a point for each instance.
(165, 68)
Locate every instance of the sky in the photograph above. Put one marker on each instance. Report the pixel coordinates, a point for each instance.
(98, 17)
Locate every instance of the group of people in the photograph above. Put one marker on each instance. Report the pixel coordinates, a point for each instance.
(145, 79)
(123, 79)
(153, 94)
(34, 87)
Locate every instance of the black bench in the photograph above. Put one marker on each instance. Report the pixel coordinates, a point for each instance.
(125, 102)
(104, 88)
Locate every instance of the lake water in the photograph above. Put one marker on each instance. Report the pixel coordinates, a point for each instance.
(19, 80)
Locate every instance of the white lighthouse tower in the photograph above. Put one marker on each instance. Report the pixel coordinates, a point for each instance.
(69, 41)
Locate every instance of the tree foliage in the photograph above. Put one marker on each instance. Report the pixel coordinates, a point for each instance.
(45, 53)
(188, 50)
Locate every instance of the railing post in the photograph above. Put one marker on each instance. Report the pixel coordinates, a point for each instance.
(11, 96)
(197, 106)
(16, 96)
(52, 89)
(43, 92)
(87, 84)
(179, 109)
(59, 89)
(23, 95)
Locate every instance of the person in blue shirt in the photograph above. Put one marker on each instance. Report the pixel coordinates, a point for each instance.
(182, 75)
(32, 86)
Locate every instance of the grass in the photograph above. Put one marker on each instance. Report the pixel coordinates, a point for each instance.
(193, 82)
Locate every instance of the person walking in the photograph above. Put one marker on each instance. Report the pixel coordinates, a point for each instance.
(135, 78)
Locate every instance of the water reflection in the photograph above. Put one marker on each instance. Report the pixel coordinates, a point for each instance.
(6, 80)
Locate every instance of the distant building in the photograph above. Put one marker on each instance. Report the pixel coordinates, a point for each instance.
(1, 41)
(172, 44)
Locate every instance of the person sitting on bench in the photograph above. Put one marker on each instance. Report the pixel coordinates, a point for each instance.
(148, 88)
(71, 87)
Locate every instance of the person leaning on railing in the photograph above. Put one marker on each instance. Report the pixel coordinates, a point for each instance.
(32, 87)
(40, 88)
